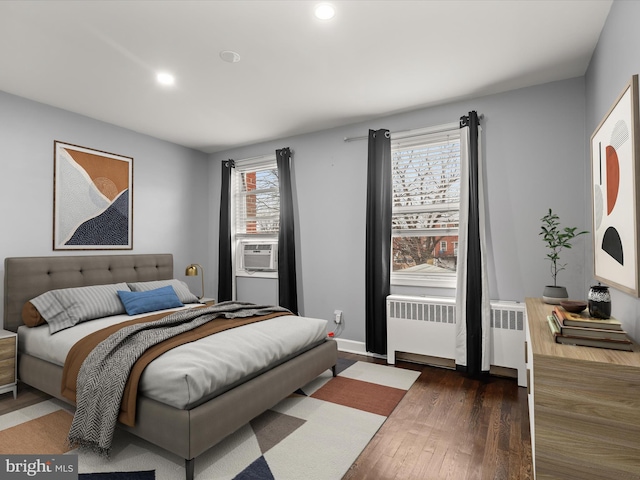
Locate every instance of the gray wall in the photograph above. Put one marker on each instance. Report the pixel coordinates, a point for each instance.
(171, 203)
(615, 60)
(534, 149)
(536, 156)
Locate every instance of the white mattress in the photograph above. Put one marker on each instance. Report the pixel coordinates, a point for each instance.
(197, 371)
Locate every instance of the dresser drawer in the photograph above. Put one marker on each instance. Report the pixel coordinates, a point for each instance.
(7, 371)
(7, 348)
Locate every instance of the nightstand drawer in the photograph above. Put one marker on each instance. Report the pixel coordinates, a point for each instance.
(7, 371)
(7, 348)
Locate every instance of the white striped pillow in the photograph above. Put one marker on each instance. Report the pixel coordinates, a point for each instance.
(67, 307)
(181, 288)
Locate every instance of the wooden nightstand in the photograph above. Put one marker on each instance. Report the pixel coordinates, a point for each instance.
(8, 361)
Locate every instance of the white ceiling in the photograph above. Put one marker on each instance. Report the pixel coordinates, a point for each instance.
(297, 74)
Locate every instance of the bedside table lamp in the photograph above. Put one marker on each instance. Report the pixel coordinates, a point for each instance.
(192, 271)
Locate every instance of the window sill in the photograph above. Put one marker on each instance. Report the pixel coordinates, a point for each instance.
(443, 281)
(256, 274)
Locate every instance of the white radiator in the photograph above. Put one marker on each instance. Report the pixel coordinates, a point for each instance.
(427, 326)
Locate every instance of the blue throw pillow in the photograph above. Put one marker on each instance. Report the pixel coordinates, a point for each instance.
(149, 301)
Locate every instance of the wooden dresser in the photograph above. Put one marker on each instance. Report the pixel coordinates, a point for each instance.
(584, 406)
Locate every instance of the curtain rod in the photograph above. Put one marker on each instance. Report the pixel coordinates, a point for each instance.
(416, 132)
(258, 158)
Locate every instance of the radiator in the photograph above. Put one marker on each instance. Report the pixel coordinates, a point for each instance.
(427, 326)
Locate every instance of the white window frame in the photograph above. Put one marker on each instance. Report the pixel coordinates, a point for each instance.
(238, 240)
(441, 280)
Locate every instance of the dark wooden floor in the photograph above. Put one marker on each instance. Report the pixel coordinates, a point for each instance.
(447, 427)
(27, 396)
(450, 427)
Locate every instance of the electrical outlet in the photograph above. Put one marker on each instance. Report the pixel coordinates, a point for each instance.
(337, 317)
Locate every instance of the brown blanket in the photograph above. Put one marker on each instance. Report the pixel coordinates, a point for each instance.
(83, 347)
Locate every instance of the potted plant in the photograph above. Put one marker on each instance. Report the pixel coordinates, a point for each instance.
(556, 239)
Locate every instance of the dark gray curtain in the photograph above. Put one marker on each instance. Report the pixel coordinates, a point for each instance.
(378, 240)
(287, 282)
(225, 268)
(472, 302)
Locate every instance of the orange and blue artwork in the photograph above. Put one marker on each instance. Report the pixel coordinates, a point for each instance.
(92, 199)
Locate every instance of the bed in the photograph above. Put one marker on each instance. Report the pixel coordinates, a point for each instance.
(186, 432)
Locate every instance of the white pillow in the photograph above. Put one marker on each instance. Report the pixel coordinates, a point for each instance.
(67, 307)
(181, 289)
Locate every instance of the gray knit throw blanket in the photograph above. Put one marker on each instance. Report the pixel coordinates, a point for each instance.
(103, 374)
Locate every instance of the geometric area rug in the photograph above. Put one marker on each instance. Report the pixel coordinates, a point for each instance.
(314, 434)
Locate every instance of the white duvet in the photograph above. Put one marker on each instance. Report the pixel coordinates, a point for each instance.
(190, 373)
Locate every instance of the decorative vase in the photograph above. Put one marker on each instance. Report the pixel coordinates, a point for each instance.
(554, 295)
(599, 300)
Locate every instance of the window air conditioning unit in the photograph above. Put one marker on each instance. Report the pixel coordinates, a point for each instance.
(260, 257)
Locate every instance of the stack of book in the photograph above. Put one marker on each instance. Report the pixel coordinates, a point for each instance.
(579, 329)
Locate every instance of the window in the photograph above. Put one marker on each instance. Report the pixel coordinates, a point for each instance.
(256, 206)
(426, 207)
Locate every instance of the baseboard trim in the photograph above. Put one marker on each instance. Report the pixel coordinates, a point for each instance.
(359, 348)
(426, 360)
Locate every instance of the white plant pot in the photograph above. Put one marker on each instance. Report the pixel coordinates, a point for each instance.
(554, 295)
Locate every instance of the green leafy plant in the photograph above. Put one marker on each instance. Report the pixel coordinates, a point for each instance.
(556, 239)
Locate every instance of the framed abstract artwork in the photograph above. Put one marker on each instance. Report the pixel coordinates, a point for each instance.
(614, 155)
(92, 199)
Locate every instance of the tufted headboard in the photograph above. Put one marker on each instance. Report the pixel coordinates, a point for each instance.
(28, 277)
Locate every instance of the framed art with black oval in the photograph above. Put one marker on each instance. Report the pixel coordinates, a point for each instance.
(614, 153)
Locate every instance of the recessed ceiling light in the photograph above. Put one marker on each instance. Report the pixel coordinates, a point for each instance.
(230, 56)
(324, 11)
(165, 78)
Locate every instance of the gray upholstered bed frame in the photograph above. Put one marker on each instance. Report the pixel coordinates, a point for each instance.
(186, 433)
